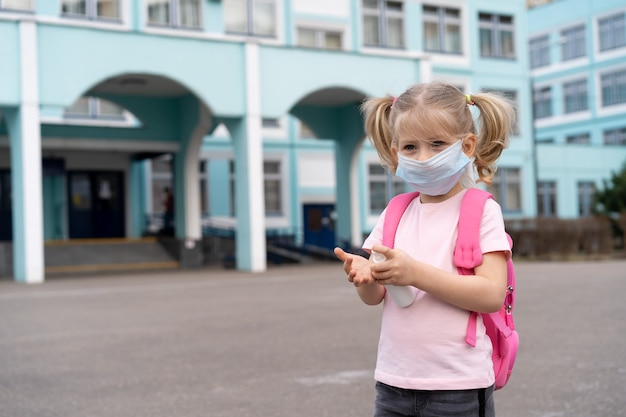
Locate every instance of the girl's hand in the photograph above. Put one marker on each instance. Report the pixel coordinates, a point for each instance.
(356, 267)
(395, 270)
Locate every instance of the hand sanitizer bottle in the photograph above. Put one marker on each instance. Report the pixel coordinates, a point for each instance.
(402, 295)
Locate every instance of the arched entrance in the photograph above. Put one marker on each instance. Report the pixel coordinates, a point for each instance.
(334, 113)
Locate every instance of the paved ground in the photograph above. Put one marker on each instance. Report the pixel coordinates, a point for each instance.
(294, 341)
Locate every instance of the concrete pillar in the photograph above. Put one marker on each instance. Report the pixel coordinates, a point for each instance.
(136, 197)
(249, 164)
(349, 142)
(249, 196)
(195, 121)
(25, 140)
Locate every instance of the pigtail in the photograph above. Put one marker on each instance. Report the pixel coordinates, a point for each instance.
(377, 112)
(496, 122)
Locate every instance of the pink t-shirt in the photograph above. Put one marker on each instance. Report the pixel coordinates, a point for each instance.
(423, 346)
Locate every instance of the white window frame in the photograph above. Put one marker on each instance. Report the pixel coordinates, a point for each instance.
(94, 105)
(572, 93)
(382, 14)
(320, 33)
(611, 110)
(615, 43)
(619, 84)
(93, 117)
(249, 20)
(496, 26)
(91, 7)
(578, 139)
(542, 95)
(539, 51)
(503, 179)
(30, 8)
(387, 179)
(614, 136)
(547, 202)
(174, 16)
(274, 128)
(274, 177)
(274, 220)
(441, 20)
(573, 41)
(585, 191)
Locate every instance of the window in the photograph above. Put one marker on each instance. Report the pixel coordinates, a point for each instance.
(273, 188)
(544, 140)
(613, 88)
(272, 183)
(267, 123)
(612, 34)
(21, 5)
(575, 96)
(579, 139)
(95, 108)
(586, 191)
(542, 102)
(506, 189)
(546, 199)
(615, 136)
(383, 23)
(539, 52)
(92, 9)
(442, 30)
(496, 36)
(380, 184)
(250, 17)
(319, 38)
(573, 43)
(175, 13)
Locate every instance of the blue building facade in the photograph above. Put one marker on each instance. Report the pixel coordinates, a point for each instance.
(578, 67)
(247, 109)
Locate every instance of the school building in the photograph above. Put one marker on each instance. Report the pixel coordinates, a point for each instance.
(578, 69)
(247, 110)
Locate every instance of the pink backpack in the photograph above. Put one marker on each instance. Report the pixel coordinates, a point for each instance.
(467, 255)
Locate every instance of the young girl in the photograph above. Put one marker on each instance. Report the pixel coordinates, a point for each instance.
(427, 136)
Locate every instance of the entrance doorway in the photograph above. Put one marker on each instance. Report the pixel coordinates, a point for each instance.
(6, 209)
(96, 207)
(319, 225)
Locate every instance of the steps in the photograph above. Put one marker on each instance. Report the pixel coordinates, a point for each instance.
(106, 255)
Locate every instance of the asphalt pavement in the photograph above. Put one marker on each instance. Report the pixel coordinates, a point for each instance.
(292, 341)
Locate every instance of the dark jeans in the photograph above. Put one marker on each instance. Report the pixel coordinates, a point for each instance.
(398, 402)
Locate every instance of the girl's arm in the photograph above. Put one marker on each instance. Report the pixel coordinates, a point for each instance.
(359, 273)
(483, 292)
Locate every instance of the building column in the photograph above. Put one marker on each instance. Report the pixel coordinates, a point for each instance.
(348, 206)
(195, 120)
(137, 198)
(24, 128)
(251, 250)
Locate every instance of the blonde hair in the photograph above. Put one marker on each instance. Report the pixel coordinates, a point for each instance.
(441, 110)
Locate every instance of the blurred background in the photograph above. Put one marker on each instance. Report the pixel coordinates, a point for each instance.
(165, 134)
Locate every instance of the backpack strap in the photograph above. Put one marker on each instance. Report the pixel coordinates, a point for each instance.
(395, 209)
(467, 252)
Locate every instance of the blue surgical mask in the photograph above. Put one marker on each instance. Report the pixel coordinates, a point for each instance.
(437, 175)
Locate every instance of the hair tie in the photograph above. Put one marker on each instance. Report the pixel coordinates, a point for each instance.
(468, 99)
(394, 101)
